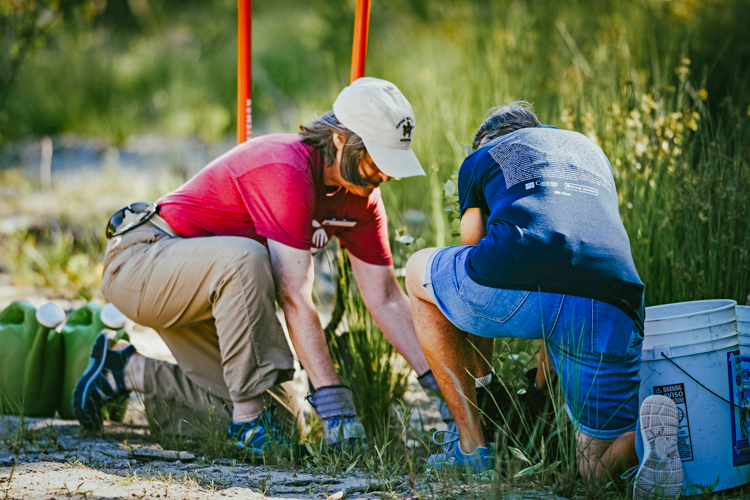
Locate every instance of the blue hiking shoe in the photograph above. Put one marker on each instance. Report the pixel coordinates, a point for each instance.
(93, 391)
(482, 459)
(447, 444)
(260, 435)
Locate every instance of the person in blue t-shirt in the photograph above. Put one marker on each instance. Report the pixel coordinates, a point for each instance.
(544, 255)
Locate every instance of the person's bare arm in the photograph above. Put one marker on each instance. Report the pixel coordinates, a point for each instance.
(390, 309)
(473, 224)
(293, 276)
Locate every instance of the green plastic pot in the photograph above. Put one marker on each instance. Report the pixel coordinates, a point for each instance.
(31, 360)
(79, 334)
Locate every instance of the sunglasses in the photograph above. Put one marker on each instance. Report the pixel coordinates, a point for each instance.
(142, 211)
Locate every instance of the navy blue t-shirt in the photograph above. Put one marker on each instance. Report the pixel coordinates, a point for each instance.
(554, 222)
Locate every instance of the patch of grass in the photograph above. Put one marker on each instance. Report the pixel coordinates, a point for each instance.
(16, 433)
(385, 457)
(54, 262)
(18, 437)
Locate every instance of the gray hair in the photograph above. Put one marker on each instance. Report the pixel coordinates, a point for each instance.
(319, 134)
(504, 120)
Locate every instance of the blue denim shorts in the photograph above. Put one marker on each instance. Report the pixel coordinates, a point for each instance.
(595, 348)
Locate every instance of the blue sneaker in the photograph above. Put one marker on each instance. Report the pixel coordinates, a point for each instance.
(447, 444)
(260, 435)
(93, 391)
(482, 459)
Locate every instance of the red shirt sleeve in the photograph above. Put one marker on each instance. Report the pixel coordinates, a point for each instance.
(368, 240)
(280, 199)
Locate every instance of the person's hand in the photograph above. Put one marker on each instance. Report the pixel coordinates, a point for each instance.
(319, 238)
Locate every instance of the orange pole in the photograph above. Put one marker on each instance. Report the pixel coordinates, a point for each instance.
(244, 70)
(359, 48)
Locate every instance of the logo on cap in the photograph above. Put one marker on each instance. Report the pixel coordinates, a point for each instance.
(406, 127)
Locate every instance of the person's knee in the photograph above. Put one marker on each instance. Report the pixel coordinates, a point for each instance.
(415, 270)
(412, 273)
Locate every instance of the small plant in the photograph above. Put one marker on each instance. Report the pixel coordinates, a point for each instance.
(404, 416)
(16, 431)
(84, 493)
(264, 484)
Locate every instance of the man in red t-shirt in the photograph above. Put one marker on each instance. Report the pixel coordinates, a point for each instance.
(206, 269)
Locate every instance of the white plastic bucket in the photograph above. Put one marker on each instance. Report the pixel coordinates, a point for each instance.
(701, 338)
(743, 324)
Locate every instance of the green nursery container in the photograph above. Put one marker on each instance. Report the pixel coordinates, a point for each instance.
(31, 360)
(79, 334)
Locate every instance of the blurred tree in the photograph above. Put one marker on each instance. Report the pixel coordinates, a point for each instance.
(23, 24)
(338, 16)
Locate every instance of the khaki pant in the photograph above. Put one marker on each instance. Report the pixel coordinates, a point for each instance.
(212, 300)
(175, 405)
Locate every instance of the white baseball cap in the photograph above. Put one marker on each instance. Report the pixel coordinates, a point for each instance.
(378, 112)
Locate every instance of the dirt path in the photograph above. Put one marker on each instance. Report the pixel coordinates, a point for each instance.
(63, 480)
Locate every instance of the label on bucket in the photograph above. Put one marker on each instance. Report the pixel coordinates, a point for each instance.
(745, 383)
(676, 392)
(740, 441)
